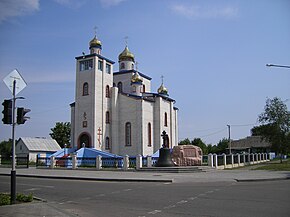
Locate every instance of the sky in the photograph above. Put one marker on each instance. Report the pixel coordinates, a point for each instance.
(212, 54)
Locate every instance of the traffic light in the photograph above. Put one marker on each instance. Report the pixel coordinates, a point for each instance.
(7, 111)
(21, 118)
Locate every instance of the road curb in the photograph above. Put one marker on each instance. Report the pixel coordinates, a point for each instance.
(262, 180)
(92, 179)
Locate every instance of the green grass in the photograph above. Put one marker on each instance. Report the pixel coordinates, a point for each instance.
(20, 198)
(276, 166)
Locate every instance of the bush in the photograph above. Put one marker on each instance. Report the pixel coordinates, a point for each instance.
(24, 198)
(5, 198)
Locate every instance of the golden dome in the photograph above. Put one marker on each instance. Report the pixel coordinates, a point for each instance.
(95, 42)
(126, 55)
(136, 78)
(162, 90)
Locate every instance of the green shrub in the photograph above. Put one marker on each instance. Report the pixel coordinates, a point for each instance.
(24, 198)
(4, 199)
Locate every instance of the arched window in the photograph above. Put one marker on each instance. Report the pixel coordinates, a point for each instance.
(120, 87)
(149, 135)
(144, 90)
(114, 84)
(122, 66)
(132, 65)
(165, 119)
(85, 89)
(107, 145)
(107, 117)
(128, 134)
(107, 91)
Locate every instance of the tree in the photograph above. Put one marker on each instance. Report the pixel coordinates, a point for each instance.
(61, 133)
(198, 142)
(184, 142)
(276, 125)
(222, 145)
(6, 149)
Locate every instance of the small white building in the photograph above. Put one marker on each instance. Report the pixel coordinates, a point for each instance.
(117, 112)
(34, 146)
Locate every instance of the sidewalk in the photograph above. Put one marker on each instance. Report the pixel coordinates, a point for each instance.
(210, 175)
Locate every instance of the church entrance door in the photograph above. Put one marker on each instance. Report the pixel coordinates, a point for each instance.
(84, 141)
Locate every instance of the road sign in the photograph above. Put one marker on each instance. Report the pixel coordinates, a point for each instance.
(15, 76)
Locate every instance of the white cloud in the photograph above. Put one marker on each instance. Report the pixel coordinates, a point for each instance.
(110, 3)
(197, 12)
(9, 8)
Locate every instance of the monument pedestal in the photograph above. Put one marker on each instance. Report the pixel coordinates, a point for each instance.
(164, 159)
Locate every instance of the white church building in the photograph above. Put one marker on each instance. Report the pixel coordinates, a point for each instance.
(117, 112)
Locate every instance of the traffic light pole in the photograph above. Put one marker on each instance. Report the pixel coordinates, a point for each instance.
(13, 171)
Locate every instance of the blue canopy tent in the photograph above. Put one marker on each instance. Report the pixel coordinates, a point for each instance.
(87, 156)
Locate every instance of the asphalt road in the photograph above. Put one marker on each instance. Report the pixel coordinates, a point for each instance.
(88, 198)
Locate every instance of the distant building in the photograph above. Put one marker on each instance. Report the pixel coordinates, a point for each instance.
(117, 112)
(251, 144)
(34, 146)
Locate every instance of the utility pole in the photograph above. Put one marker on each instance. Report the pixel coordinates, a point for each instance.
(230, 148)
(275, 65)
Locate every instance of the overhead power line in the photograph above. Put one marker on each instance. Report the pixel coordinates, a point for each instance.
(214, 133)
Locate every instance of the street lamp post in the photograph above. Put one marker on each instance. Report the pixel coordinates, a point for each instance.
(230, 148)
(275, 65)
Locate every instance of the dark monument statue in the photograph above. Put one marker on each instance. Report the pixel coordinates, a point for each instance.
(164, 159)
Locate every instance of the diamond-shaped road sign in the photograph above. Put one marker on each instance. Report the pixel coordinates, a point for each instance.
(15, 76)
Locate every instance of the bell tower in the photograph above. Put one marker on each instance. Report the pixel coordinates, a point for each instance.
(92, 107)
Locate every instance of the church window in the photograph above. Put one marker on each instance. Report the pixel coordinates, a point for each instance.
(107, 91)
(108, 68)
(107, 117)
(107, 145)
(100, 65)
(85, 89)
(132, 65)
(114, 84)
(149, 135)
(122, 66)
(165, 119)
(144, 88)
(128, 134)
(120, 87)
(86, 65)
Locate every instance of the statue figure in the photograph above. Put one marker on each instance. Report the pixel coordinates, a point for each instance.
(165, 138)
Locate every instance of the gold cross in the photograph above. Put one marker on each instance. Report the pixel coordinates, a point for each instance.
(95, 30)
(126, 40)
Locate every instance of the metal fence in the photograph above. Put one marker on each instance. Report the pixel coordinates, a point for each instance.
(86, 162)
(20, 162)
(111, 162)
(43, 162)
